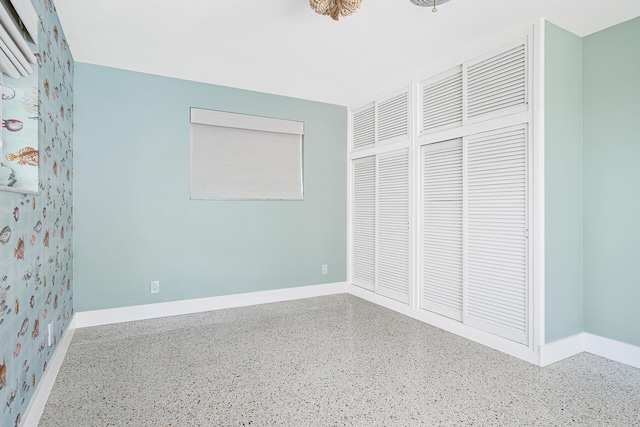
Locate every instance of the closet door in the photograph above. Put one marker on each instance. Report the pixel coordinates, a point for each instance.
(393, 225)
(364, 222)
(496, 267)
(442, 228)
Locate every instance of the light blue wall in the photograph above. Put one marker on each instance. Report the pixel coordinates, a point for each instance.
(563, 184)
(134, 221)
(612, 182)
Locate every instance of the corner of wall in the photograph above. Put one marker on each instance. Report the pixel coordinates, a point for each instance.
(564, 206)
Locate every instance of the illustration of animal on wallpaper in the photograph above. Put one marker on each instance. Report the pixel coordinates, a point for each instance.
(4, 308)
(18, 252)
(24, 327)
(12, 125)
(3, 374)
(5, 235)
(8, 93)
(36, 329)
(23, 379)
(11, 398)
(27, 274)
(26, 156)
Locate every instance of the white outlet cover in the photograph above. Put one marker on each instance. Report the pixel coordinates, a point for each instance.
(155, 287)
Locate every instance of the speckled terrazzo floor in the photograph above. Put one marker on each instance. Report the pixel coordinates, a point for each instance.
(329, 361)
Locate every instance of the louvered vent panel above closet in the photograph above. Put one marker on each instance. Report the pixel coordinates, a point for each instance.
(442, 102)
(442, 228)
(393, 118)
(498, 82)
(364, 127)
(393, 225)
(497, 285)
(364, 222)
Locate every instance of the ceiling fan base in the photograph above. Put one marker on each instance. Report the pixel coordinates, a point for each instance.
(428, 3)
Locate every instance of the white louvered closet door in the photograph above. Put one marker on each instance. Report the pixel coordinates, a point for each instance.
(497, 277)
(364, 222)
(393, 225)
(442, 233)
(497, 83)
(364, 127)
(393, 118)
(442, 102)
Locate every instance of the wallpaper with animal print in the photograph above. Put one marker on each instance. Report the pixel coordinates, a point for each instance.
(36, 260)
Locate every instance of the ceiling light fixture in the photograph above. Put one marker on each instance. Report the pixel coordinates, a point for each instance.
(429, 3)
(336, 8)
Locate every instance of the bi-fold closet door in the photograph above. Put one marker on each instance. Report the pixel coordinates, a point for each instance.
(381, 225)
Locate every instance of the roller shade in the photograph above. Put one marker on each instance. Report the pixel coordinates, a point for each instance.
(242, 157)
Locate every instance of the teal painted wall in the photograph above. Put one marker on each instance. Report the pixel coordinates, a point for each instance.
(563, 184)
(612, 182)
(134, 221)
(36, 262)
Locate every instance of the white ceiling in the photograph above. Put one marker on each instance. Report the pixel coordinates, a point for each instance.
(283, 47)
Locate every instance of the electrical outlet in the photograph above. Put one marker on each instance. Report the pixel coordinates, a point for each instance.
(325, 268)
(155, 286)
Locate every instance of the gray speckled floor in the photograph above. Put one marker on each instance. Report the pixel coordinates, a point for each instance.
(329, 361)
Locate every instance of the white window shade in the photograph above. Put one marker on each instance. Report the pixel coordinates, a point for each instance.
(28, 15)
(16, 56)
(242, 157)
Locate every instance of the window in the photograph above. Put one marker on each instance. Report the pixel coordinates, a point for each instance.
(242, 157)
(19, 107)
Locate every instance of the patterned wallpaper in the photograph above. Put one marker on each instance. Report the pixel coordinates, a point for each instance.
(36, 262)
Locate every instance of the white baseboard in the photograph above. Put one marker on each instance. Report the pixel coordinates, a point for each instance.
(151, 311)
(613, 350)
(600, 346)
(501, 344)
(548, 354)
(563, 348)
(41, 395)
